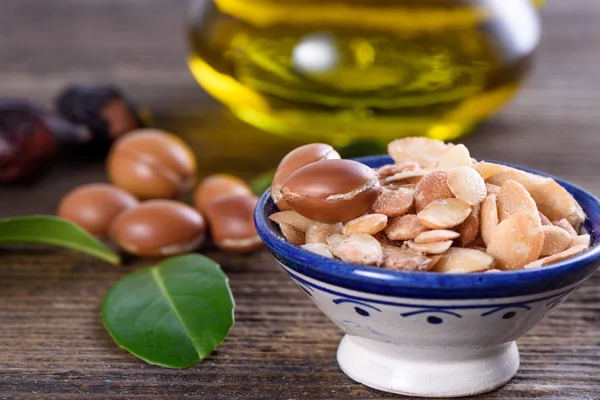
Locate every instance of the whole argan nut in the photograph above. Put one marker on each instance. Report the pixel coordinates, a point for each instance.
(159, 228)
(331, 190)
(295, 160)
(232, 224)
(219, 185)
(94, 206)
(151, 164)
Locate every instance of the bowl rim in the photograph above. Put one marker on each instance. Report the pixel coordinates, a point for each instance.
(386, 281)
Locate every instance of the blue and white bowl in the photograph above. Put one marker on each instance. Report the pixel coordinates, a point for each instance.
(430, 334)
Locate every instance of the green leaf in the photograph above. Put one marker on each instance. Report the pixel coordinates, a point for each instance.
(44, 229)
(173, 314)
(262, 182)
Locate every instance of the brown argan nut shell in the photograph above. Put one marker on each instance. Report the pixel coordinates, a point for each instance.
(94, 206)
(432, 187)
(318, 232)
(469, 229)
(321, 249)
(489, 218)
(443, 214)
(368, 224)
(460, 260)
(218, 185)
(564, 224)
(466, 184)
(422, 150)
(295, 160)
(430, 248)
(331, 190)
(394, 203)
(293, 218)
(359, 249)
(158, 228)
(404, 259)
(555, 240)
(516, 241)
(437, 235)
(150, 164)
(406, 227)
(232, 225)
(457, 156)
(292, 234)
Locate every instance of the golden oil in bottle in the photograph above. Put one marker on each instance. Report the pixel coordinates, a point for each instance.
(339, 70)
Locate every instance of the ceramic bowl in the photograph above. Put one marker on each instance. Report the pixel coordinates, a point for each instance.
(430, 334)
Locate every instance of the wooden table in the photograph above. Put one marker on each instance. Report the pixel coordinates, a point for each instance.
(52, 343)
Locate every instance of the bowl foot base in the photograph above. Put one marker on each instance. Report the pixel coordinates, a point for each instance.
(428, 371)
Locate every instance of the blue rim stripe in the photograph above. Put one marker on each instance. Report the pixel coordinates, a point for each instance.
(431, 285)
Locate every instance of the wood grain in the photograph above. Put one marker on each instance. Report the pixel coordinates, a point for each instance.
(52, 343)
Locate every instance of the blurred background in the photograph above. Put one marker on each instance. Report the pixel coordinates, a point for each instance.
(388, 70)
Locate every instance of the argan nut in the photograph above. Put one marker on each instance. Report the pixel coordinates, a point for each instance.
(150, 164)
(232, 224)
(159, 228)
(94, 206)
(295, 160)
(218, 185)
(331, 190)
(432, 187)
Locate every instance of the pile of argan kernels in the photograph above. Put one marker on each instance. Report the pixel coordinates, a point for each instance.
(435, 209)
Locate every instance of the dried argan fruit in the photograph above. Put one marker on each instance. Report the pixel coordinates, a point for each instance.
(515, 199)
(359, 249)
(432, 187)
(319, 231)
(457, 156)
(394, 203)
(437, 235)
(469, 229)
(422, 150)
(292, 234)
(580, 240)
(331, 190)
(460, 260)
(295, 160)
(368, 224)
(466, 184)
(430, 248)
(555, 240)
(492, 189)
(489, 218)
(404, 259)
(443, 214)
(564, 255)
(516, 241)
(321, 249)
(564, 224)
(293, 218)
(404, 228)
